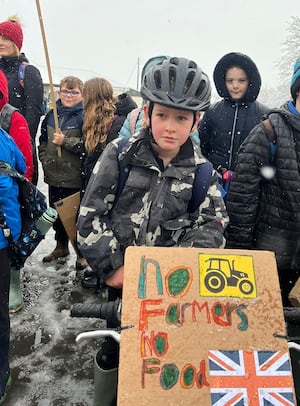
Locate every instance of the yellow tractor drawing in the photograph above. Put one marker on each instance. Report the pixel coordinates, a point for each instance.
(221, 273)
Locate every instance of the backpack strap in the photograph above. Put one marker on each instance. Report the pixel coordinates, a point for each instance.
(5, 116)
(133, 118)
(7, 170)
(123, 170)
(21, 72)
(224, 178)
(201, 184)
(271, 136)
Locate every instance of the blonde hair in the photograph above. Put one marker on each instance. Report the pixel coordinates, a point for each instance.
(99, 108)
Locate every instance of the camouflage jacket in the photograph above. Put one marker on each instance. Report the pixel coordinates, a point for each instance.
(152, 208)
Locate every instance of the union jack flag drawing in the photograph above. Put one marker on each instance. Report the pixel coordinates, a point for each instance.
(250, 378)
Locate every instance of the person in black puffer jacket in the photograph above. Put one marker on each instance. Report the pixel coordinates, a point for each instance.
(26, 94)
(227, 123)
(264, 200)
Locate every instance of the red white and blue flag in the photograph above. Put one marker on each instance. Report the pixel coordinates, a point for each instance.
(250, 378)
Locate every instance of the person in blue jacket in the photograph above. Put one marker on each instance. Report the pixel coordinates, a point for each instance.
(227, 123)
(10, 205)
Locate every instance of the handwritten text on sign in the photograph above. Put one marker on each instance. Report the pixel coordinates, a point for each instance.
(155, 344)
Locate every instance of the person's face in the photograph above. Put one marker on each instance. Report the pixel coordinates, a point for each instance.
(170, 127)
(7, 47)
(297, 101)
(236, 82)
(70, 97)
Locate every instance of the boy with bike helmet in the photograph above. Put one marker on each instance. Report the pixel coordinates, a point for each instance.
(153, 206)
(162, 159)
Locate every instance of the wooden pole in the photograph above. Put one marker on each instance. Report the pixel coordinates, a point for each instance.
(51, 87)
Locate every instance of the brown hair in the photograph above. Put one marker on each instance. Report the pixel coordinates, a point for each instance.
(99, 108)
(71, 82)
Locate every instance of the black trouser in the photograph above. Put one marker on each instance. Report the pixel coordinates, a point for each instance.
(35, 175)
(4, 318)
(55, 194)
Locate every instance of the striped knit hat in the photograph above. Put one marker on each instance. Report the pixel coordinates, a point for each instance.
(12, 30)
(295, 82)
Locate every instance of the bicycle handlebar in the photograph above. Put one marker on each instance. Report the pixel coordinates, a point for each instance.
(110, 311)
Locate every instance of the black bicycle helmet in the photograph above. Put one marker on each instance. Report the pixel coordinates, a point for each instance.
(178, 83)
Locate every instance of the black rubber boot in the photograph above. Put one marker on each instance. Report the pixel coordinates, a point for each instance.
(5, 378)
(91, 280)
(106, 377)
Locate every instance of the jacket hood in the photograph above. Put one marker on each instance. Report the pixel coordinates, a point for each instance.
(290, 114)
(125, 104)
(244, 62)
(3, 90)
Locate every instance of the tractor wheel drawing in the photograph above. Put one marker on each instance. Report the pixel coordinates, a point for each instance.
(215, 282)
(246, 286)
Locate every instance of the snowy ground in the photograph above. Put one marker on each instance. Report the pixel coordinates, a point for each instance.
(48, 367)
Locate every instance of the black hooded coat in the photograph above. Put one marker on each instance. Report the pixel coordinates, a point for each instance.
(227, 123)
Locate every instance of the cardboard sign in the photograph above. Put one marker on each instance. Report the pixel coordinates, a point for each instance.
(207, 326)
(67, 209)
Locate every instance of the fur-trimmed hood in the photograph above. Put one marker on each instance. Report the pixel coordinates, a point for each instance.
(244, 62)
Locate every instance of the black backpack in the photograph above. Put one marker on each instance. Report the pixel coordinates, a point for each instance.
(33, 204)
(5, 116)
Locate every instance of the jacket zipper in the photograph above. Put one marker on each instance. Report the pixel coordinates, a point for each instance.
(233, 135)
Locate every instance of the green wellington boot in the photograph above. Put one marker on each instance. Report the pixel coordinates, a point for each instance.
(3, 396)
(15, 291)
(105, 386)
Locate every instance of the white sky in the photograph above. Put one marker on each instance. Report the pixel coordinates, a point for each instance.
(89, 38)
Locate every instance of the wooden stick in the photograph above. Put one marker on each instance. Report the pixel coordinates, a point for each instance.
(52, 95)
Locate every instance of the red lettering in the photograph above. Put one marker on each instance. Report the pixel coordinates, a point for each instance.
(145, 313)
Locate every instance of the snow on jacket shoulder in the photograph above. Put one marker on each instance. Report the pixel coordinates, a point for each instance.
(152, 208)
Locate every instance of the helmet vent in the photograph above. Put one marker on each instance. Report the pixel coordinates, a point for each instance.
(172, 78)
(188, 82)
(201, 88)
(157, 79)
